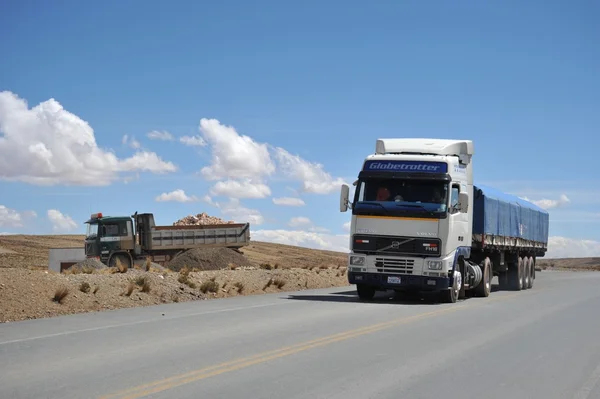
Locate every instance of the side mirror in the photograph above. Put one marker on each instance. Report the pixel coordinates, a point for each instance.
(345, 192)
(463, 200)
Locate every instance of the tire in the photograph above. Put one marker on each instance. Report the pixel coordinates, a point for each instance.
(532, 272)
(515, 275)
(125, 260)
(503, 280)
(451, 295)
(365, 292)
(485, 286)
(526, 273)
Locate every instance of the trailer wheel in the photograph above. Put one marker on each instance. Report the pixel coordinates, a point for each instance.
(365, 292)
(503, 280)
(526, 272)
(515, 275)
(531, 271)
(485, 285)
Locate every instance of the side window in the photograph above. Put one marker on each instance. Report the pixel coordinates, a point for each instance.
(454, 197)
(110, 230)
(115, 229)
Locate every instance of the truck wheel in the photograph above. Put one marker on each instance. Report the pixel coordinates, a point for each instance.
(485, 286)
(123, 258)
(451, 295)
(532, 271)
(365, 292)
(503, 280)
(515, 275)
(526, 272)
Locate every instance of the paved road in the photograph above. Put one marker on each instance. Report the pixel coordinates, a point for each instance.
(540, 343)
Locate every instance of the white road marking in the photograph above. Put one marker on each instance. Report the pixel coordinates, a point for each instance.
(142, 322)
(589, 385)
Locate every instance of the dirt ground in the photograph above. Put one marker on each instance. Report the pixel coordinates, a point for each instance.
(573, 264)
(28, 290)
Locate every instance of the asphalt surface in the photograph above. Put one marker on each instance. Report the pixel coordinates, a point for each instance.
(539, 343)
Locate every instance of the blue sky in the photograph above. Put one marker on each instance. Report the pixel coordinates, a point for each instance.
(320, 81)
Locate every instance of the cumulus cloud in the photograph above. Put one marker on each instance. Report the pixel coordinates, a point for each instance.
(238, 213)
(299, 221)
(193, 141)
(240, 189)
(234, 210)
(163, 136)
(564, 247)
(48, 145)
(12, 218)
(61, 222)
(131, 142)
(550, 203)
(238, 159)
(307, 239)
(346, 226)
(312, 175)
(234, 155)
(176, 196)
(288, 201)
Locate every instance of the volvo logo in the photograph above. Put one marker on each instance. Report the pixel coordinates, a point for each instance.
(396, 244)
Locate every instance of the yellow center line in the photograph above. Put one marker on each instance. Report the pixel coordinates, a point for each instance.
(200, 374)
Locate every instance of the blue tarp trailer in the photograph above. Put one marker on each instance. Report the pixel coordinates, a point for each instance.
(505, 220)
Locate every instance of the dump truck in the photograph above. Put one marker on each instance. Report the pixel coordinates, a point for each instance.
(129, 238)
(420, 224)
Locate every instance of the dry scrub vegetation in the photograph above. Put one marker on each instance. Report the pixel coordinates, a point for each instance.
(28, 290)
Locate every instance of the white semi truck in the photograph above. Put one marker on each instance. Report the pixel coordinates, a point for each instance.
(420, 224)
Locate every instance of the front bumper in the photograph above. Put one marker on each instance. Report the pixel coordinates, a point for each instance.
(407, 282)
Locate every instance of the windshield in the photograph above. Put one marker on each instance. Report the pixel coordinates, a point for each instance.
(398, 196)
(92, 230)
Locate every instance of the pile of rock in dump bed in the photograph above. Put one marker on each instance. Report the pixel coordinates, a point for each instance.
(200, 219)
(208, 259)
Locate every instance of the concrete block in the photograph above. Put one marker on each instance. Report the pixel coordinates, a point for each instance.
(63, 258)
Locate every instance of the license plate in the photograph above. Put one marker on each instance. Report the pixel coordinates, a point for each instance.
(393, 280)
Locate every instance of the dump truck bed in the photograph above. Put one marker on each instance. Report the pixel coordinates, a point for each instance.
(186, 237)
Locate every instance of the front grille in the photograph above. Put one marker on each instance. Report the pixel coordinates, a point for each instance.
(394, 266)
(396, 245)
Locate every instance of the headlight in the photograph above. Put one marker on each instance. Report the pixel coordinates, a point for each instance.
(434, 264)
(357, 260)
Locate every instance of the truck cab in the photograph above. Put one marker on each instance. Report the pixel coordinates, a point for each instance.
(411, 217)
(107, 236)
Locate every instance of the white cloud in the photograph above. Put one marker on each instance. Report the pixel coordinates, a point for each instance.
(193, 141)
(234, 156)
(299, 221)
(176, 196)
(12, 218)
(241, 189)
(131, 142)
(563, 247)
(60, 222)
(163, 136)
(240, 214)
(288, 201)
(312, 175)
(346, 226)
(307, 239)
(550, 203)
(146, 161)
(49, 145)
